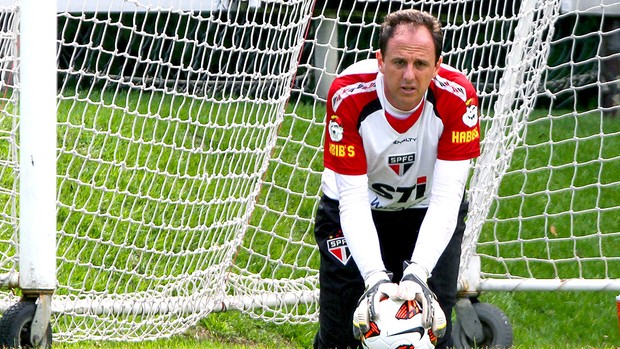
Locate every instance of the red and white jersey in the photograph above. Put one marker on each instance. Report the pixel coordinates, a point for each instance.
(397, 154)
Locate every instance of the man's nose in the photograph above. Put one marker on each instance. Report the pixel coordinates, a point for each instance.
(409, 73)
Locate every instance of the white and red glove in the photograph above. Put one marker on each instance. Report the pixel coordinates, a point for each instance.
(378, 286)
(413, 286)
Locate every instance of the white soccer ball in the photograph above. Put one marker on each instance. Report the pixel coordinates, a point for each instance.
(398, 326)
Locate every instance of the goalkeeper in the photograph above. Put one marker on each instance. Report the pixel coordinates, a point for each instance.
(401, 132)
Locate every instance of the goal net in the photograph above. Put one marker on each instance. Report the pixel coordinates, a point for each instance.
(189, 152)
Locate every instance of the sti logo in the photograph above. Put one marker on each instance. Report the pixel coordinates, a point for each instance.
(339, 249)
(401, 163)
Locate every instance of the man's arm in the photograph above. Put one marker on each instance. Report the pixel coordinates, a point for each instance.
(359, 230)
(357, 225)
(449, 181)
(435, 233)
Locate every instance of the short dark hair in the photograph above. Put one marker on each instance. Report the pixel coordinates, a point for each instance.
(415, 17)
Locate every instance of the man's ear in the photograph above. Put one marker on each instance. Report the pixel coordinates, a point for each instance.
(437, 65)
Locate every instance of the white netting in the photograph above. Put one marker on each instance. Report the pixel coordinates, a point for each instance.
(167, 118)
(8, 143)
(190, 151)
(556, 216)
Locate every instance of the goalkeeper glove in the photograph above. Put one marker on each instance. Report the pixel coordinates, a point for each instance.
(413, 287)
(378, 286)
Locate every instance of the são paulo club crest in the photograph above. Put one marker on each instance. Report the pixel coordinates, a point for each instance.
(401, 163)
(337, 246)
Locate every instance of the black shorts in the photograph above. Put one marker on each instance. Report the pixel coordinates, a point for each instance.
(340, 280)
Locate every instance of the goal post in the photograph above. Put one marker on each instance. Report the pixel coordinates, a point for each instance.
(189, 140)
(37, 153)
(516, 95)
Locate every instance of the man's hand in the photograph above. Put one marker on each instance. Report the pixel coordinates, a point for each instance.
(378, 286)
(413, 286)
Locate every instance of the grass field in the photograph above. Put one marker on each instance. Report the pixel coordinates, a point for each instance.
(557, 216)
(541, 320)
(561, 320)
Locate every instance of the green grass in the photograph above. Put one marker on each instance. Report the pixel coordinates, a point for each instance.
(561, 320)
(569, 164)
(540, 320)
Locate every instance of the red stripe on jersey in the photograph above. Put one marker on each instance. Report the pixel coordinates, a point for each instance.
(457, 102)
(349, 94)
(402, 125)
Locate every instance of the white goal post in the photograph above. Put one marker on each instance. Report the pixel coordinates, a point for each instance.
(189, 152)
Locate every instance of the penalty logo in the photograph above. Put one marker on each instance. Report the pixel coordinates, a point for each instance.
(339, 249)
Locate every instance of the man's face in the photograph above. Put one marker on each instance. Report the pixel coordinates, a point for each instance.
(408, 65)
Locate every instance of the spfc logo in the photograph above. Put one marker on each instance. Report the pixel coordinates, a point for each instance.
(401, 163)
(339, 249)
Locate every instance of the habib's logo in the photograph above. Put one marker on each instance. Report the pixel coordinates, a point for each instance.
(336, 132)
(401, 163)
(459, 137)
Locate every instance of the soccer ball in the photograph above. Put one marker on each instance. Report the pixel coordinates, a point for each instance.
(398, 326)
